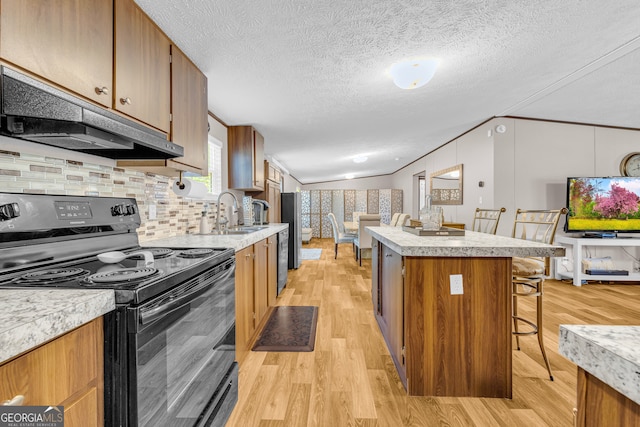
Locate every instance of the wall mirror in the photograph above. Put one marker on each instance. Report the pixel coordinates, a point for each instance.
(446, 186)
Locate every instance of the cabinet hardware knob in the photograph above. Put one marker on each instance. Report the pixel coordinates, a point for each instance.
(16, 401)
(125, 101)
(247, 255)
(102, 90)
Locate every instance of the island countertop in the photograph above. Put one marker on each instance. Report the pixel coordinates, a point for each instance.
(235, 241)
(31, 317)
(472, 244)
(610, 353)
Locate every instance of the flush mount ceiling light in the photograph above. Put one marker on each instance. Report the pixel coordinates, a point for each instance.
(360, 159)
(413, 74)
(349, 176)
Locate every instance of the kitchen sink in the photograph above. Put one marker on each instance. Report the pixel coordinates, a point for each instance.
(248, 229)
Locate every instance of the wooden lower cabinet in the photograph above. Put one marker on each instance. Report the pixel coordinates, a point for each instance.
(390, 304)
(600, 405)
(245, 326)
(272, 270)
(256, 282)
(454, 345)
(260, 280)
(67, 371)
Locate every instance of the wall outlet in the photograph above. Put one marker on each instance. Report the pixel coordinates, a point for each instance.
(153, 212)
(455, 283)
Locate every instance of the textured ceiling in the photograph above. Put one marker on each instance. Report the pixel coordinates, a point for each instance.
(312, 76)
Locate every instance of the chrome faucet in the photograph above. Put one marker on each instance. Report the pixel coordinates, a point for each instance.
(235, 208)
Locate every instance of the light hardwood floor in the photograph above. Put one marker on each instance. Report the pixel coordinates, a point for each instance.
(350, 379)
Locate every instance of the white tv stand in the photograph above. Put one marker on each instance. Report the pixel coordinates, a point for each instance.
(577, 275)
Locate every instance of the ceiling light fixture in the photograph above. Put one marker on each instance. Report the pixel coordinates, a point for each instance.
(349, 176)
(413, 74)
(360, 159)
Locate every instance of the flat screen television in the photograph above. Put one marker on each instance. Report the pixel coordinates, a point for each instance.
(603, 207)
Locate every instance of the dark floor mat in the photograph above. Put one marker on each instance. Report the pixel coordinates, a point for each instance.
(289, 328)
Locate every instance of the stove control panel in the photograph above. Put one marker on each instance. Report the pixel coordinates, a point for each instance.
(73, 210)
(123, 210)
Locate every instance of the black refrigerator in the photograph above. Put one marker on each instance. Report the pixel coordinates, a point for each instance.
(291, 213)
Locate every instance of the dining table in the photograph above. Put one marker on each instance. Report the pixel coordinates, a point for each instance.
(350, 227)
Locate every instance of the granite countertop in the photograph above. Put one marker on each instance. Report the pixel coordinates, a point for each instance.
(235, 241)
(610, 353)
(31, 317)
(472, 244)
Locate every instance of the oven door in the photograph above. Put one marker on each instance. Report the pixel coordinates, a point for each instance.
(181, 350)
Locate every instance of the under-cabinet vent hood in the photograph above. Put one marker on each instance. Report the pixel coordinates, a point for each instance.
(37, 112)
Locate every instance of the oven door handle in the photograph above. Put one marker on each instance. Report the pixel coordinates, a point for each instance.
(150, 316)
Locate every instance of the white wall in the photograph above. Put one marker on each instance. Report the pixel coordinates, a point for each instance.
(404, 180)
(382, 181)
(290, 184)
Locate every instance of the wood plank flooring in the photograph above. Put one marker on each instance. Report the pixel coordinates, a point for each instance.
(350, 379)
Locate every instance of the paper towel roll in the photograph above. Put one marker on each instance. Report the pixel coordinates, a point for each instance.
(190, 189)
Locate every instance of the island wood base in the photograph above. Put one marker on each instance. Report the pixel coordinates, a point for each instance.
(452, 345)
(600, 405)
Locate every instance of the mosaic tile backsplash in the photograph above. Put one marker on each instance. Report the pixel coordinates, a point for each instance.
(37, 174)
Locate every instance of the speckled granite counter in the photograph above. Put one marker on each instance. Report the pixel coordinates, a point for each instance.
(472, 244)
(235, 241)
(610, 353)
(30, 317)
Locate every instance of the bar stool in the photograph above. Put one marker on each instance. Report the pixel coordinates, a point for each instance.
(528, 273)
(486, 220)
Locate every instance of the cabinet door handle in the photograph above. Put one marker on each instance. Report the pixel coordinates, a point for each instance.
(248, 255)
(388, 255)
(102, 90)
(16, 401)
(125, 101)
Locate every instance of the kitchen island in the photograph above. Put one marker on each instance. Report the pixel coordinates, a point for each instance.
(608, 359)
(443, 304)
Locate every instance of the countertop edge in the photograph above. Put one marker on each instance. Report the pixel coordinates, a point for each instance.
(46, 314)
(235, 241)
(609, 366)
(472, 244)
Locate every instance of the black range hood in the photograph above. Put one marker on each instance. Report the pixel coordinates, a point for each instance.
(37, 112)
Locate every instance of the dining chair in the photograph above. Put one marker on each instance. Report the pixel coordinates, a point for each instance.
(529, 273)
(363, 238)
(402, 219)
(394, 219)
(338, 236)
(486, 220)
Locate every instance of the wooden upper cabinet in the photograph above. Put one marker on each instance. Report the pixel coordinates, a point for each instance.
(189, 112)
(142, 67)
(246, 158)
(63, 41)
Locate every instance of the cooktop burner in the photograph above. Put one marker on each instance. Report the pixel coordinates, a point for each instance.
(195, 253)
(123, 275)
(156, 252)
(53, 275)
